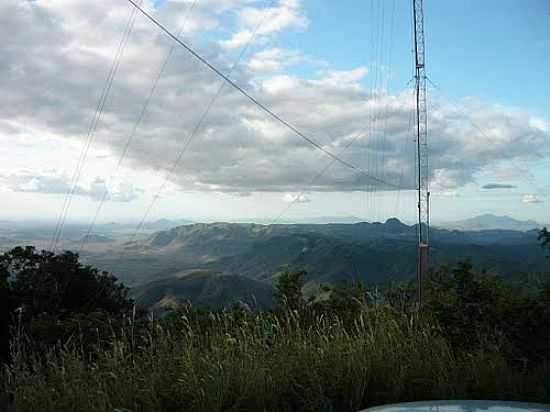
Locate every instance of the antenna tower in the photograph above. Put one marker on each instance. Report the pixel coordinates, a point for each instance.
(421, 148)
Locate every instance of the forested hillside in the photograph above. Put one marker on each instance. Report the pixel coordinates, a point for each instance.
(375, 253)
(73, 340)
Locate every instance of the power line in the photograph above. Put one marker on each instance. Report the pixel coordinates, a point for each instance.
(91, 130)
(227, 80)
(370, 130)
(372, 155)
(135, 127)
(195, 131)
(379, 141)
(253, 99)
(312, 181)
(330, 164)
(205, 114)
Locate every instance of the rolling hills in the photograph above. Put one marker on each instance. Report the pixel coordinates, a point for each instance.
(236, 258)
(491, 222)
(241, 257)
(204, 289)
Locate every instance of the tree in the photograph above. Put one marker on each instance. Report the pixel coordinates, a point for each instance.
(475, 307)
(43, 282)
(467, 304)
(56, 295)
(6, 309)
(288, 290)
(348, 297)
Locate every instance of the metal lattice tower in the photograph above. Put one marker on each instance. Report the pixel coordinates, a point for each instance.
(421, 147)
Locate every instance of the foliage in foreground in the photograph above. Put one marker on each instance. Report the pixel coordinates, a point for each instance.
(241, 361)
(55, 297)
(476, 336)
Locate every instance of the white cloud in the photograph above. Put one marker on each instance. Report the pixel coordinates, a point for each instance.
(444, 180)
(52, 74)
(266, 21)
(287, 14)
(514, 173)
(530, 198)
(279, 84)
(116, 192)
(340, 78)
(238, 39)
(296, 198)
(54, 182)
(273, 59)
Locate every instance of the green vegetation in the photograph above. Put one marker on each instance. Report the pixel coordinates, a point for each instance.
(544, 237)
(205, 289)
(477, 335)
(373, 252)
(55, 297)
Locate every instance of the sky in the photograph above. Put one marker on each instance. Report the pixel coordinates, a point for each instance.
(172, 140)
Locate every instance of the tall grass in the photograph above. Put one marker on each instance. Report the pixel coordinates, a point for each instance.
(265, 362)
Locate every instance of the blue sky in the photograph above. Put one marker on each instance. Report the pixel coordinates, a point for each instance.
(339, 71)
(496, 50)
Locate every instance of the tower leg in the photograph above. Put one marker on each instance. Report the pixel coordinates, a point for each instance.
(423, 264)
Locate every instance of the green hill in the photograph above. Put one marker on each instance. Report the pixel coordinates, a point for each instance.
(376, 253)
(203, 289)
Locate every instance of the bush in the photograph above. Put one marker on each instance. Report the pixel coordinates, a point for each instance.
(477, 336)
(267, 361)
(474, 309)
(56, 297)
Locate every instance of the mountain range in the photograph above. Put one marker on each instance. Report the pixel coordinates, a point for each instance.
(377, 253)
(492, 222)
(213, 264)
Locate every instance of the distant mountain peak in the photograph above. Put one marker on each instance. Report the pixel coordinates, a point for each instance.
(394, 221)
(488, 221)
(394, 225)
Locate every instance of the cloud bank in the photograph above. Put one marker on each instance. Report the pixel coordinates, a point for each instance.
(58, 54)
(53, 182)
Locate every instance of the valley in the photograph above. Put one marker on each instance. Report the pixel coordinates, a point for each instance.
(213, 264)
